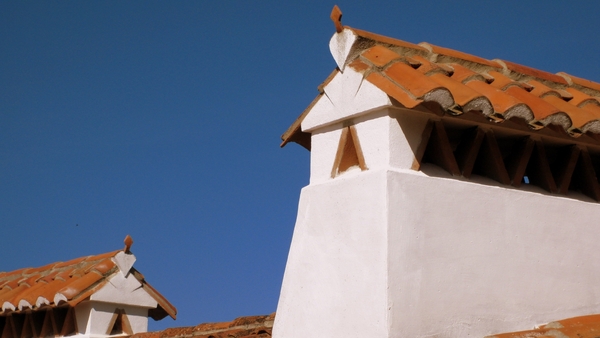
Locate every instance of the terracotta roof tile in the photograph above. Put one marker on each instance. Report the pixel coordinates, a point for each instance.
(540, 74)
(71, 281)
(581, 99)
(243, 327)
(389, 41)
(454, 55)
(457, 82)
(576, 81)
(577, 327)
(390, 88)
(380, 56)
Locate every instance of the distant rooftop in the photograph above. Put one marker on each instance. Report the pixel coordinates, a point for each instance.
(243, 327)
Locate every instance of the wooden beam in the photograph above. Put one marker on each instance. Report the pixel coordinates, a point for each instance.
(467, 150)
(489, 160)
(422, 146)
(357, 148)
(539, 170)
(516, 162)
(585, 176)
(69, 326)
(565, 168)
(27, 328)
(439, 151)
(49, 326)
(37, 322)
(339, 153)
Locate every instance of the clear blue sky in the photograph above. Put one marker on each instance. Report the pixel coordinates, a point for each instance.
(162, 120)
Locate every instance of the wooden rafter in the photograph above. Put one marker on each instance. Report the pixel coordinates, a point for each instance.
(516, 162)
(565, 168)
(538, 169)
(422, 146)
(8, 330)
(59, 315)
(37, 321)
(489, 160)
(439, 150)
(27, 328)
(584, 177)
(349, 152)
(119, 323)
(467, 150)
(69, 326)
(49, 325)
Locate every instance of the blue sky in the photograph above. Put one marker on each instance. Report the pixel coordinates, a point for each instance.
(162, 120)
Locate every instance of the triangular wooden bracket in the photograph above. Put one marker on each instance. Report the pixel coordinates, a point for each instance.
(2, 325)
(489, 160)
(516, 162)
(27, 329)
(422, 146)
(119, 323)
(8, 331)
(349, 153)
(37, 322)
(584, 177)
(14, 326)
(467, 150)
(49, 326)
(538, 169)
(69, 326)
(59, 315)
(565, 167)
(439, 151)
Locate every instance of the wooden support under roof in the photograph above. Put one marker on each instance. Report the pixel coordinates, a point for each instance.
(510, 159)
(349, 152)
(57, 322)
(585, 178)
(466, 152)
(566, 162)
(439, 151)
(490, 162)
(538, 170)
(516, 162)
(422, 146)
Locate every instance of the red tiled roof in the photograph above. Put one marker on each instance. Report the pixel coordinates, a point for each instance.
(69, 283)
(427, 76)
(577, 327)
(243, 327)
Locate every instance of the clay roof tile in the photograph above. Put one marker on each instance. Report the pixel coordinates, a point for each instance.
(454, 55)
(71, 281)
(528, 71)
(414, 75)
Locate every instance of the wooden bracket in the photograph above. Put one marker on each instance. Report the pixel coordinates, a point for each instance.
(516, 163)
(349, 152)
(490, 160)
(439, 151)
(467, 150)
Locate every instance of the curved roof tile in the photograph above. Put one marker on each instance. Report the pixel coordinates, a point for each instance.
(72, 281)
(459, 82)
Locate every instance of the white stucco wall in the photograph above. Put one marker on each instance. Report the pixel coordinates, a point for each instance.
(335, 279)
(468, 260)
(93, 318)
(393, 252)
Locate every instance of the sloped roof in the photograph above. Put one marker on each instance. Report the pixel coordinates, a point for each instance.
(243, 327)
(71, 282)
(444, 81)
(577, 327)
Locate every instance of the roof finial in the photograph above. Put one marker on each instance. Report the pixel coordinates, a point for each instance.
(128, 242)
(336, 17)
